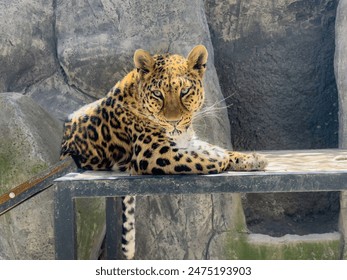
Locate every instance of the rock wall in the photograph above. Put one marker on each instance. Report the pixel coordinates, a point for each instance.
(27, 145)
(27, 44)
(275, 65)
(96, 41)
(341, 80)
(341, 69)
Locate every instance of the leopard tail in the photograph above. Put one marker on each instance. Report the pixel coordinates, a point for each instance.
(128, 235)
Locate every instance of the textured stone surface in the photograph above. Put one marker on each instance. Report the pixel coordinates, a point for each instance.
(28, 57)
(29, 142)
(26, 232)
(275, 64)
(341, 80)
(90, 220)
(292, 213)
(27, 41)
(235, 226)
(185, 227)
(29, 139)
(341, 69)
(97, 50)
(57, 97)
(343, 222)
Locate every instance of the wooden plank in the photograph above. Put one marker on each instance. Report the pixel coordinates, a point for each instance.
(34, 185)
(333, 160)
(286, 162)
(288, 171)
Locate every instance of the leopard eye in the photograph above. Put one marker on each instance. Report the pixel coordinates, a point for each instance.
(184, 92)
(157, 94)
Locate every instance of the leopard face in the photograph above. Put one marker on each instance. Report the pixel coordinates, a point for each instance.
(170, 87)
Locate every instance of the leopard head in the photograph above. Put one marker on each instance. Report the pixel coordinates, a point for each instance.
(170, 87)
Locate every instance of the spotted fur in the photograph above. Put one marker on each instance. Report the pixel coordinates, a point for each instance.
(144, 126)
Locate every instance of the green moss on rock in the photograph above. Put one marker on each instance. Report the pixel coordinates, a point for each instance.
(240, 247)
(15, 169)
(90, 215)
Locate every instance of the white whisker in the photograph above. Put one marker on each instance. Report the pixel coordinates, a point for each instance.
(210, 111)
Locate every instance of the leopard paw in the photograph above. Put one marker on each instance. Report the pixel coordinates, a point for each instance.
(246, 162)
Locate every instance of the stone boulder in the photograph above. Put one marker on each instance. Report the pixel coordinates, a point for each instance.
(29, 143)
(57, 97)
(29, 139)
(275, 65)
(28, 57)
(27, 42)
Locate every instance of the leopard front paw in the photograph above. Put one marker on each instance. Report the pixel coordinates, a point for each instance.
(246, 162)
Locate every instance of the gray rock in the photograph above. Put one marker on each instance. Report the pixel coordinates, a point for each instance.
(341, 69)
(29, 139)
(229, 222)
(186, 227)
(292, 213)
(341, 80)
(27, 43)
(28, 57)
(96, 42)
(275, 64)
(29, 143)
(57, 97)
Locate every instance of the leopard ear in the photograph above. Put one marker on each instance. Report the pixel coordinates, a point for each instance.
(144, 62)
(197, 59)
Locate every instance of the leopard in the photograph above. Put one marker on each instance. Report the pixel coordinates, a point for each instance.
(144, 125)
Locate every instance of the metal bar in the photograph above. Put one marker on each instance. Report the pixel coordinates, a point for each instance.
(64, 224)
(114, 228)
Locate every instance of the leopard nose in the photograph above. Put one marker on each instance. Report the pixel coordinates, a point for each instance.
(174, 123)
